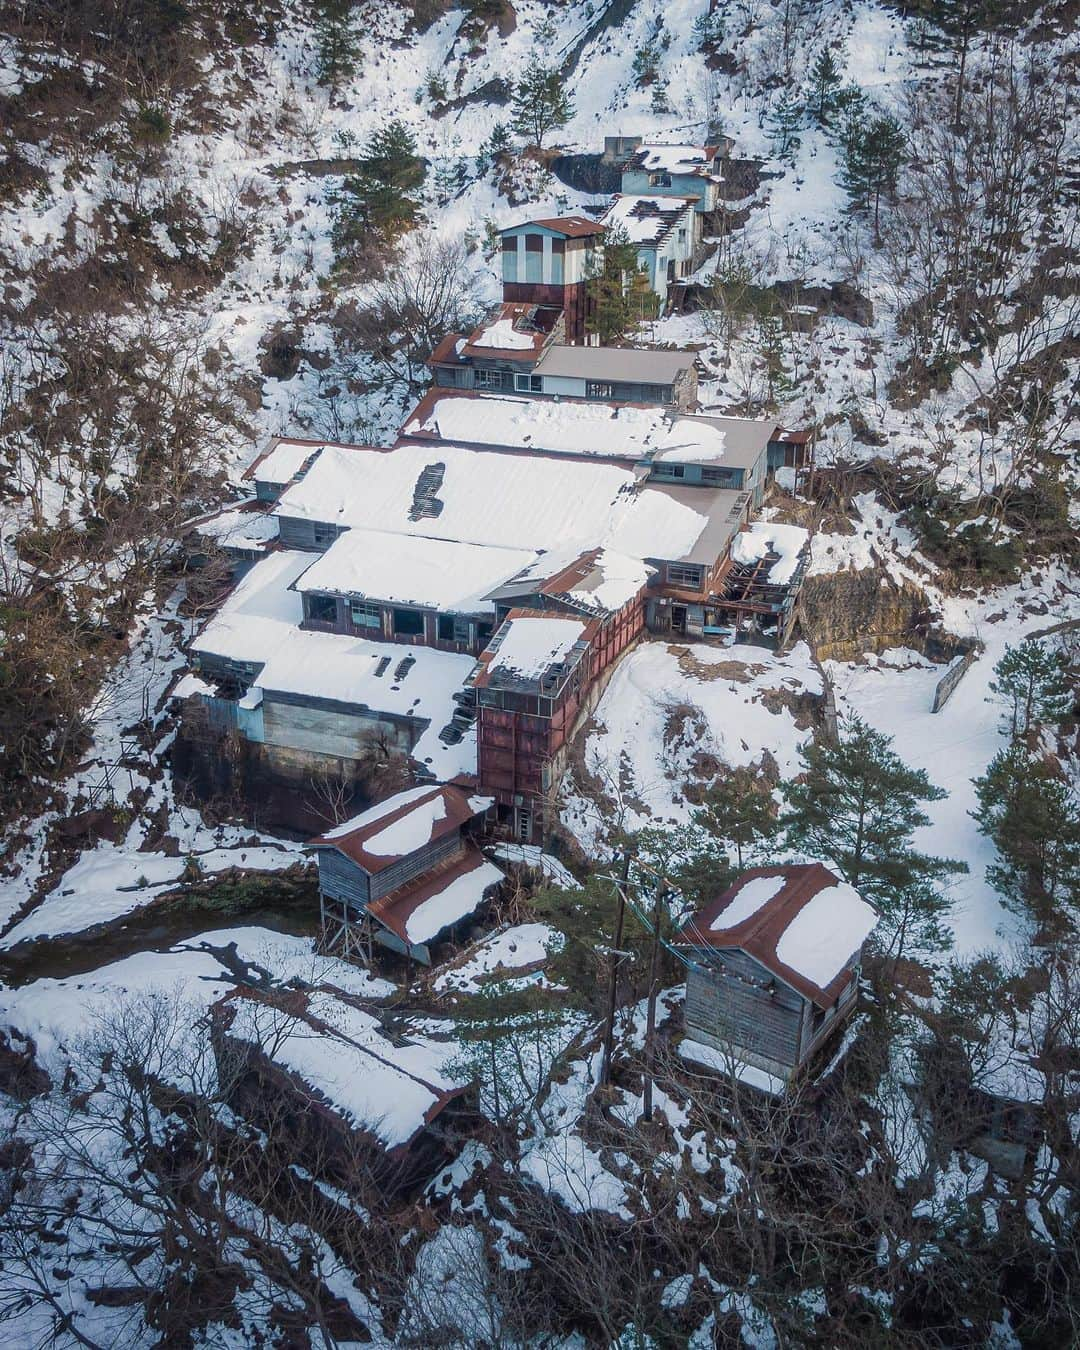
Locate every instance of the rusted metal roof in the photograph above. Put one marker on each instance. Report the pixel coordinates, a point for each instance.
(444, 808)
(761, 931)
(395, 910)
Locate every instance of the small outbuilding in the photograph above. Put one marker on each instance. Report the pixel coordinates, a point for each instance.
(404, 872)
(775, 965)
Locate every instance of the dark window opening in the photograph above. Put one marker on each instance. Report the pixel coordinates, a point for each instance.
(684, 576)
(324, 534)
(408, 623)
(719, 477)
(452, 628)
(322, 608)
(669, 471)
(534, 243)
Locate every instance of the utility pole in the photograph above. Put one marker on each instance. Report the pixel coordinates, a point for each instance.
(650, 1022)
(616, 958)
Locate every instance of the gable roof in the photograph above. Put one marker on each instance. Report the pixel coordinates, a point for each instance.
(402, 825)
(589, 428)
(571, 227)
(647, 220)
(390, 1089)
(801, 922)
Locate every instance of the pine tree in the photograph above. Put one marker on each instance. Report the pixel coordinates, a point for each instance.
(873, 152)
(618, 293)
(1034, 682)
(857, 808)
(739, 811)
(375, 205)
(540, 103)
(337, 42)
(825, 86)
(783, 123)
(1033, 816)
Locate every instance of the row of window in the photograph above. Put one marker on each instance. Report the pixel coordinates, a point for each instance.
(404, 622)
(709, 474)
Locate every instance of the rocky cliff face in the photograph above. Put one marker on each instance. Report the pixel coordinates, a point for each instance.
(843, 614)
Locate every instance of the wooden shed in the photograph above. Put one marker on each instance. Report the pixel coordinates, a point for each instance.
(404, 871)
(775, 965)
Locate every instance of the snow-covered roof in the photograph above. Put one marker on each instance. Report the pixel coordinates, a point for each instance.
(600, 580)
(763, 537)
(259, 612)
(405, 569)
(606, 430)
(801, 922)
(258, 625)
(503, 336)
(733, 442)
(578, 427)
(282, 460)
(530, 645)
(241, 526)
(387, 1088)
(438, 900)
(696, 160)
(648, 220)
(501, 500)
(403, 824)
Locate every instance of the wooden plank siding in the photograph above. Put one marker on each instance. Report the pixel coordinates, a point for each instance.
(734, 1003)
(729, 1006)
(342, 879)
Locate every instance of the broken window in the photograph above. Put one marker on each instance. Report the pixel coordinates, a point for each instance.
(678, 575)
(408, 623)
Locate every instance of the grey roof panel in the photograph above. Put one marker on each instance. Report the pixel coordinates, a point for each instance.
(633, 364)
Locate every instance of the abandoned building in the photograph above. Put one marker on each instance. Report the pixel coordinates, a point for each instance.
(693, 171)
(403, 873)
(665, 233)
(775, 965)
(322, 1076)
(433, 546)
(556, 370)
(547, 263)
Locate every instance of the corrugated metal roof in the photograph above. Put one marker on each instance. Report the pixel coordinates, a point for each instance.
(636, 365)
(762, 931)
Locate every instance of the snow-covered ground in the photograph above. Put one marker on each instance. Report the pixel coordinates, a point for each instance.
(665, 708)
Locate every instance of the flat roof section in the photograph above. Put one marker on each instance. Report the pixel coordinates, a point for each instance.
(403, 569)
(636, 365)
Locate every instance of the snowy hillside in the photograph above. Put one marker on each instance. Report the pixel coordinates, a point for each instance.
(190, 266)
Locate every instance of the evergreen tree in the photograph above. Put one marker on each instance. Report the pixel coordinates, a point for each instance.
(739, 811)
(783, 123)
(1033, 816)
(873, 152)
(857, 808)
(337, 42)
(540, 103)
(825, 86)
(374, 206)
(617, 289)
(1033, 681)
